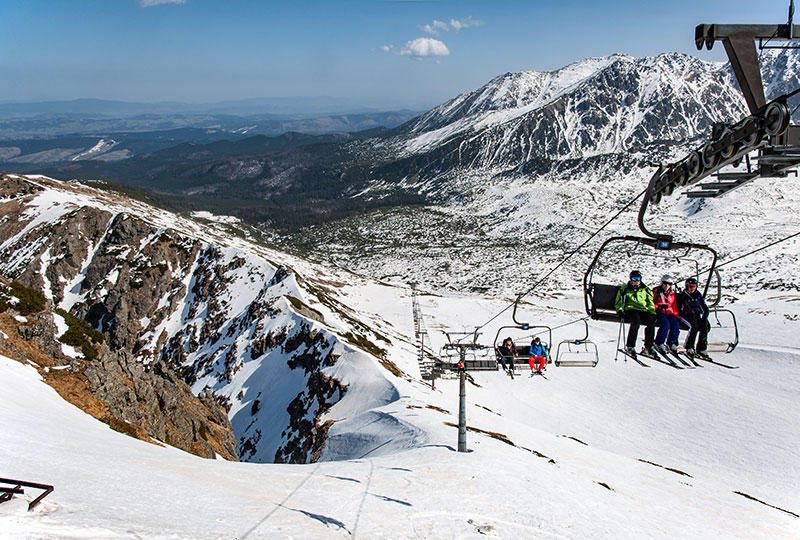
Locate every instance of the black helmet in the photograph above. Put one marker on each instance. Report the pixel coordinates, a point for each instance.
(636, 274)
(691, 281)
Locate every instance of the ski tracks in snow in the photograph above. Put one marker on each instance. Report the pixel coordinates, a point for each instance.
(283, 502)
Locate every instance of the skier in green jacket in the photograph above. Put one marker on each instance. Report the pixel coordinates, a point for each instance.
(634, 305)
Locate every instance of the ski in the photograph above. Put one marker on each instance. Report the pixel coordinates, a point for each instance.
(664, 360)
(534, 373)
(634, 357)
(680, 359)
(712, 361)
(692, 360)
(668, 357)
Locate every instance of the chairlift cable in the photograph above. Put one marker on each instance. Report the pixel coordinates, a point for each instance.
(784, 239)
(576, 250)
(762, 248)
(564, 260)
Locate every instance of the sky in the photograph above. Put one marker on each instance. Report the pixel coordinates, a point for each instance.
(389, 53)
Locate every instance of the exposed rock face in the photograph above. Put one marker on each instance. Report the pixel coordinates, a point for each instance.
(154, 398)
(145, 401)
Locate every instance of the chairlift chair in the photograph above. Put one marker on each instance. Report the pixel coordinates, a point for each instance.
(599, 298)
(722, 322)
(580, 352)
(521, 352)
(476, 358)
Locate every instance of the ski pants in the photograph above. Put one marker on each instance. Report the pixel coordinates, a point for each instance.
(699, 329)
(669, 329)
(509, 359)
(636, 318)
(537, 362)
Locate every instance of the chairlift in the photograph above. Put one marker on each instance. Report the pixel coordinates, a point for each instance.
(477, 357)
(522, 352)
(580, 352)
(600, 298)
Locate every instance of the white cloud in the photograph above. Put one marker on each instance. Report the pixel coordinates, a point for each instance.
(455, 24)
(151, 3)
(424, 47)
(435, 27)
(469, 22)
(387, 48)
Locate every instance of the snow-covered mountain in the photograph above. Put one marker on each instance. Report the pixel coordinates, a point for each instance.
(596, 106)
(535, 162)
(317, 364)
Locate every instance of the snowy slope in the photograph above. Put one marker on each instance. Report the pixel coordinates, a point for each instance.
(609, 432)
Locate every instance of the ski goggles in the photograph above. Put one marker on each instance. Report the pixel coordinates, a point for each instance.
(636, 278)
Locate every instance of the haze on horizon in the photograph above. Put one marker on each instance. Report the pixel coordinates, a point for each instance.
(385, 53)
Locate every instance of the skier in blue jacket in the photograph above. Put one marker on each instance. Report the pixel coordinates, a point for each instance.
(538, 356)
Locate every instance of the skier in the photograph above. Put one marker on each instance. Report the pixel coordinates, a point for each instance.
(634, 305)
(506, 352)
(538, 356)
(693, 308)
(668, 316)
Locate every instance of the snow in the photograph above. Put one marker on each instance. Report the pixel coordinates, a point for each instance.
(729, 430)
(101, 147)
(47, 289)
(20, 318)
(208, 216)
(61, 328)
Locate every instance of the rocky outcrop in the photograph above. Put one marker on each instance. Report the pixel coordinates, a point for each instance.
(153, 398)
(145, 401)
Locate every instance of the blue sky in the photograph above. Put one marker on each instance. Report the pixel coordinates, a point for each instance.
(380, 51)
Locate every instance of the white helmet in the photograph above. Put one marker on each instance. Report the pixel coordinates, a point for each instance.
(666, 278)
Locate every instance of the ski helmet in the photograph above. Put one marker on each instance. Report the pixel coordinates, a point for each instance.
(691, 281)
(635, 274)
(666, 278)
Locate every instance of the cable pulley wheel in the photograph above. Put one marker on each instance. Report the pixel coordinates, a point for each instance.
(681, 175)
(729, 149)
(754, 135)
(709, 157)
(694, 165)
(776, 118)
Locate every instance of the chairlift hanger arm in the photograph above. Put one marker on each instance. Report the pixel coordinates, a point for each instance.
(526, 327)
(739, 41)
(651, 188)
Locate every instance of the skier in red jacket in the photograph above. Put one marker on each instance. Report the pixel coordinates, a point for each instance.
(668, 315)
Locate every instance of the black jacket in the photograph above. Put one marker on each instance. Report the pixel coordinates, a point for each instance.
(692, 304)
(506, 350)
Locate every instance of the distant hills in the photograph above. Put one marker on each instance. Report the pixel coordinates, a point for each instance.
(299, 107)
